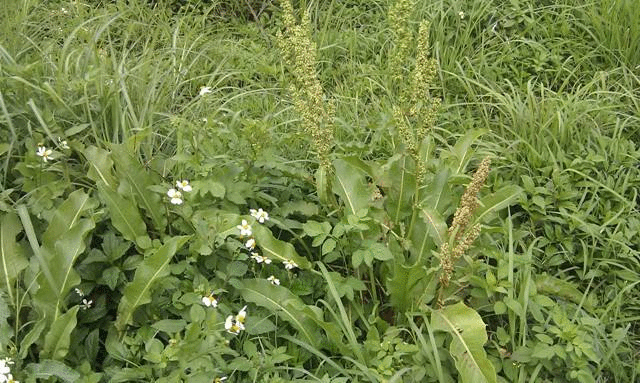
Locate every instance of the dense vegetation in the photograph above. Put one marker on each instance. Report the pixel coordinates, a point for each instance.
(330, 191)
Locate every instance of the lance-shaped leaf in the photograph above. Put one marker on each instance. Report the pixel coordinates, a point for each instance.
(138, 291)
(497, 201)
(351, 185)
(275, 248)
(125, 216)
(57, 340)
(12, 261)
(135, 179)
(63, 243)
(467, 346)
(101, 166)
(280, 300)
(400, 186)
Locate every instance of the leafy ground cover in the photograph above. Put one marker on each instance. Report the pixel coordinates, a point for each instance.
(335, 191)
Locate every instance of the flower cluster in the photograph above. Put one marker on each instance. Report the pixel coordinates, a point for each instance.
(5, 371)
(235, 324)
(176, 195)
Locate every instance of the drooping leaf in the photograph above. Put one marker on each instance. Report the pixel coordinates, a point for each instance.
(101, 166)
(56, 341)
(138, 180)
(154, 267)
(124, 214)
(499, 200)
(48, 368)
(467, 346)
(12, 261)
(280, 300)
(275, 248)
(351, 185)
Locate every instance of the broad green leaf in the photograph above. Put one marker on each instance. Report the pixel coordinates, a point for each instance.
(66, 216)
(170, 326)
(61, 260)
(323, 185)
(33, 336)
(548, 285)
(125, 216)
(351, 185)
(12, 261)
(138, 292)
(101, 167)
(497, 201)
(400, 187)
(462, 152)
(408, 285)
(280, 300)
(428, 233)
(275, 248)
(56, 341)
(6, 330)
(467, 347)
(48, 368)
(135, 179)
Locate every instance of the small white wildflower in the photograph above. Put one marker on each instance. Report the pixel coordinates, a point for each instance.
(4, 369)
(79, 292)
(86, 304)
(63, 143)
(7, 378)
(260, 215)
(274, 280)
(64, 10)
(44, 153)
(205, 90)
(290, 264)
(461, 14)
(220, 380)
(251, 244)
(233, 326)
(245, 229)
(184, 185)
(242, 314)
(210, 301)
(176, 196)
(259, 258)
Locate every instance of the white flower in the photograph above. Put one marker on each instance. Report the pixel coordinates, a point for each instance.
(220, 380)
(176, 196)
(461, 14)
(210, 301)
(251, 244)
(259, 258)
(183, 185)
(7, 378)
(204, 90)
(63, 143)
(260, 215)
(233, 326)
(290, 264)
(86, 304)
(245, 229)
(242, 314)
(4, 369)
(273, 280)
(44, 153)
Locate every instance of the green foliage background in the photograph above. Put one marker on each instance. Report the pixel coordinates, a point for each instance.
(547, 293)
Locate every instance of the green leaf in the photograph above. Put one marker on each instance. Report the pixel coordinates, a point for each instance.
(49, 368)
(275, 249)
(138, 292)
(467, 347)
(202, 187)
(12, 260)
(56, 342)
(66, 216)
(497, 201)
(101, 166)
(351, 185)
(137, 182)
(280, 300)
(548, 285)
(125, 216)
(32, 337)
(170, 326)
(400, 185)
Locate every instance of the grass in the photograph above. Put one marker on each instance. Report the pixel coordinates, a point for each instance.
(552, 90)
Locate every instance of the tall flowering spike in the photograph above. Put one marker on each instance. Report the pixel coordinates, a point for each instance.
(299, 52)
(461, 237)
